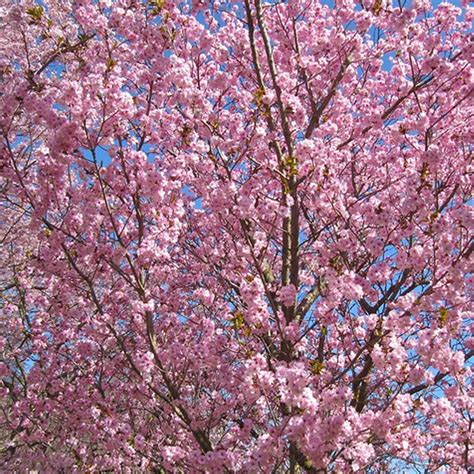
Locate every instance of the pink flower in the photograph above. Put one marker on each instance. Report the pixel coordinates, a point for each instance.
(288, 295)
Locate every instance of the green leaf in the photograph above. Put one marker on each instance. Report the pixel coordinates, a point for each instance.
(291, 164)
(316, 367)
(443, 316)
(157, 6)
(110, 63)
(258, 96)
(238, 320)
(377, 7)
(35, 13)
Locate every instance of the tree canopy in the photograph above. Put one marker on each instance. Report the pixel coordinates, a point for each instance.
(235, 236)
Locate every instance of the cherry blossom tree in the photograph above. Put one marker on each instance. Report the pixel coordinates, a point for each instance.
(235, 236)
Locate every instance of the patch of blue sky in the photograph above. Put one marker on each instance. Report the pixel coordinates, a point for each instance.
(102, 157)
